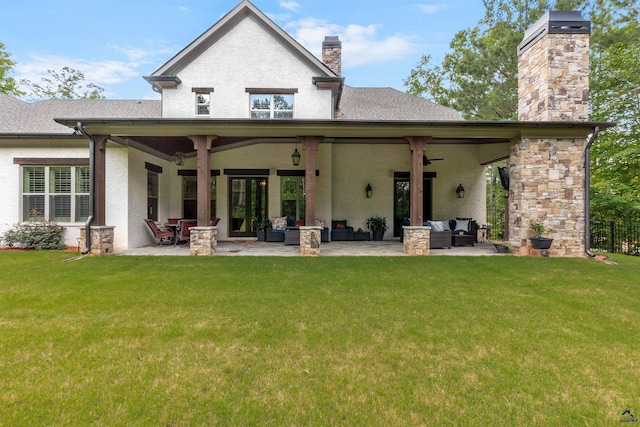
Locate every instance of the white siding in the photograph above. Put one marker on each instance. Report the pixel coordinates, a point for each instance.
(11, 177)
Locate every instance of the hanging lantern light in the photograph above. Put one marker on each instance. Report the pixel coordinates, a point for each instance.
(178, 158)
(295, 157)
(460, 192)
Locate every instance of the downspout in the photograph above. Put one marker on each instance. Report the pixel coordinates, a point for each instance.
(87, 226)
(587, 192)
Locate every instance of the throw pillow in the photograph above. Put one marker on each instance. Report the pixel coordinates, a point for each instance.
(319, 223)
(298, 223)
(462, 225)
(341, 225)
(437, 226)
(279, 223)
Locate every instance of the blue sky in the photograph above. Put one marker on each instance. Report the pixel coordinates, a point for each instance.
(116, 42)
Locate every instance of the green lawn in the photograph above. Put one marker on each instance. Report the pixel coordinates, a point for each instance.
(360, 341)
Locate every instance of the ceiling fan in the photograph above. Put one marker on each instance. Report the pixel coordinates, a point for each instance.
(427, 161)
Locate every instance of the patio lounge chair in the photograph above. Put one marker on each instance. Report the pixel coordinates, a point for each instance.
(163, 235)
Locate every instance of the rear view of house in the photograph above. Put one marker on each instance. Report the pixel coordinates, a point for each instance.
(251, 125)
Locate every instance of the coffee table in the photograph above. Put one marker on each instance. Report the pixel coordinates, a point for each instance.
(462, 239)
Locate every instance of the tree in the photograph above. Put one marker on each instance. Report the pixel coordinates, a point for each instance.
(7, 84)
(66, 84)
(479, 76)
(615, 96)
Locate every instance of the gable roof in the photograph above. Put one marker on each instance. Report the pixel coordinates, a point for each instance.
(390, 104)
(166, 75)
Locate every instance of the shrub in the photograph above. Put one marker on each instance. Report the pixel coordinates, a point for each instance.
(35, 235)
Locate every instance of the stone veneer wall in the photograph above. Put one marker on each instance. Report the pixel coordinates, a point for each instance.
(547, 176)
(553, 79)
(203, 241)
(101, 240)
(547, 185)
(310, 241)
(416, 240)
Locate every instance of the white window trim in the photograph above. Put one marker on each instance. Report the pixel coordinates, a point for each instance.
(271, 110)
(47, 193)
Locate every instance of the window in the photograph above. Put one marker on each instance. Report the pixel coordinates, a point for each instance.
(55, 193)
(152, 195)
(202, 103)
(271, 106)
(190, 197)
(292, 196)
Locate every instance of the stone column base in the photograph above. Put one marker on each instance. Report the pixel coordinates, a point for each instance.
(101, 239)
(416, 240)
(310, 241)
(203, 240)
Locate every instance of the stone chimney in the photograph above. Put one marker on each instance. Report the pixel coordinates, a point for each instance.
(332, 54)
(553, 69)
(547, 175)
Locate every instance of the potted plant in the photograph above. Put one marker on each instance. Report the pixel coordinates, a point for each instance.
(538, 241)
(261, 225)
(378, 226)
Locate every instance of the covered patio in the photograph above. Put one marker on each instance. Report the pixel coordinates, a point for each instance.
(205, 141)
(340, 248)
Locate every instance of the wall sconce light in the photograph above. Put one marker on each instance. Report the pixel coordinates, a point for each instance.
(460, 192)
(368, 191)
(178, 158)
(295, 157)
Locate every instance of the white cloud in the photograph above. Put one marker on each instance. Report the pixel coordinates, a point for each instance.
(290, 5)
(431, 9)
(361, 45)
(183, 9)
(99, 72)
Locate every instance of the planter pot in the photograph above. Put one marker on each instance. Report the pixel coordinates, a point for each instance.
(261, 235)
(502, 249)
(378, 234)
(540, 242)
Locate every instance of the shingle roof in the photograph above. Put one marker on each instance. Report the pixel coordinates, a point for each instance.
(390, 104)
(17, 116)
(21, 117)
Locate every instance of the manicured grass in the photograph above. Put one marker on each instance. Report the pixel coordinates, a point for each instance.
(317, 341)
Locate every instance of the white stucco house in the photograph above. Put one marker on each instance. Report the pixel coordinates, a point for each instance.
(235, 104)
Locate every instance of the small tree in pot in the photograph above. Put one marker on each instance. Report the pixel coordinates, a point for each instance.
(261, 224)
(378, 226)
(538, 241)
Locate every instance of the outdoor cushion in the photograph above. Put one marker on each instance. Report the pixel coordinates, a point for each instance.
(462, 225)
(298, 223)
(279, 223)
(341, 225)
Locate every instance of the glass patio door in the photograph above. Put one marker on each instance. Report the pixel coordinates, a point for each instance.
(247, 201)
(401, 200)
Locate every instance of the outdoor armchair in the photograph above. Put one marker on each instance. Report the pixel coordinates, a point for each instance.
(161, 234)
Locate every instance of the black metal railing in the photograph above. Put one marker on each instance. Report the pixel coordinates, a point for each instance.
(620, 237)
(496, 222)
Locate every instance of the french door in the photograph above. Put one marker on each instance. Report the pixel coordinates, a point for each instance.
(401, 200)
(247, 201)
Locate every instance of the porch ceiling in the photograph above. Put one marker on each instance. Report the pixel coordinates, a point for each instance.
(170, 135)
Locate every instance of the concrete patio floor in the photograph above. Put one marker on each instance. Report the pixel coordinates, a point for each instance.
(342, 248)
